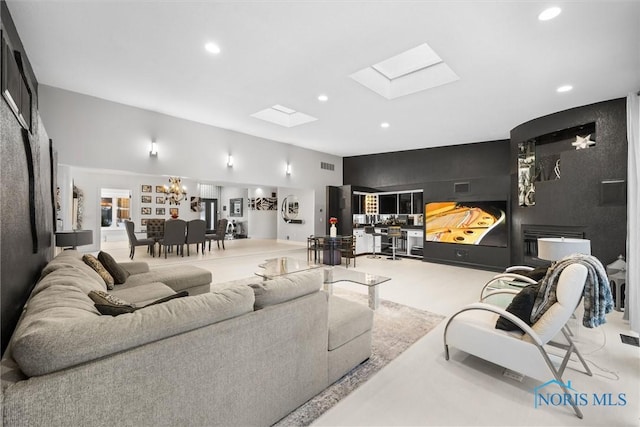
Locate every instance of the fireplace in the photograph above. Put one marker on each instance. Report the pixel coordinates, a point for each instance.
(531, 233)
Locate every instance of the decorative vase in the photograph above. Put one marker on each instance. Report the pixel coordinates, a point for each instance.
(333, 231)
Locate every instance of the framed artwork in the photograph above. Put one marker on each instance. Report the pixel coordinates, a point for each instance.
(173, 211)
(160, 211)
(196, 205)
(146, 199)
(143, 222)
(146, 188)
(160, 200)
(159, 189)
(235, 207)
(145, 211)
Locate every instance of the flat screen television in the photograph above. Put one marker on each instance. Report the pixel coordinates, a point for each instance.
(482, 223)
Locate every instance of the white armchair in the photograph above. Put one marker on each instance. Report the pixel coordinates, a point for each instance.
(472, 330)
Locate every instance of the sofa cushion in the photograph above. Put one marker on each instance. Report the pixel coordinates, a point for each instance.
(94, 263)
(72, 259)
(143, 294)
(347, 320)
(285, 288)
(118, 273)
(177, 277)
(51, 343)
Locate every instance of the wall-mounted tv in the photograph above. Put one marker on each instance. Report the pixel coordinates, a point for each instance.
(481, 223)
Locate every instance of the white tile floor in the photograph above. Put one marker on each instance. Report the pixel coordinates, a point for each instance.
(420, 387)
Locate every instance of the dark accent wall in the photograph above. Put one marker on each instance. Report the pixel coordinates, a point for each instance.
(26, 225)
(579, 198)
(402, 170)
(483, 165)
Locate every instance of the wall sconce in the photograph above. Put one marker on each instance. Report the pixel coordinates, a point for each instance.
(230, 161)
(154, 149)
(288, 169)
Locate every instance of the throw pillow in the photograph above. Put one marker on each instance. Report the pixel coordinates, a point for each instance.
(93, 262)
(118, 273)
(109, 304)
(521, 306)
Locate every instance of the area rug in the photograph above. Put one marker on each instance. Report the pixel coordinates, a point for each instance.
(395, 328)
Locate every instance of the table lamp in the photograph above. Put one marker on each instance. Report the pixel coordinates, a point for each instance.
(555, 248)
(74, 238)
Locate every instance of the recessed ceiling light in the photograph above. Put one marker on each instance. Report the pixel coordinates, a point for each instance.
(564, 88)
(212, 48)
(384, 125)
(549, 13)
(323, 98)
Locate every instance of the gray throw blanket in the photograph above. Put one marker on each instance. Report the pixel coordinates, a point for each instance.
(597, 293)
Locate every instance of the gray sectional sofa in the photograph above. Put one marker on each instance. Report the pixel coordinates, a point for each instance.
(247, 353)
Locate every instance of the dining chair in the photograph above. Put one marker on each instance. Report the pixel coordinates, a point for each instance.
(220, 233)
(174, 234)
(134, 241)
(196, 230)
(348, 250)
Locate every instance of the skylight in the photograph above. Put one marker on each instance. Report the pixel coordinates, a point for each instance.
(409, 72)
(283, 116)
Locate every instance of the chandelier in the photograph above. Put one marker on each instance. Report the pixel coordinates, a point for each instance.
(174, 192)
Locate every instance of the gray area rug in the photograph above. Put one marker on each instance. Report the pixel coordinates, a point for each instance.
(395, 328)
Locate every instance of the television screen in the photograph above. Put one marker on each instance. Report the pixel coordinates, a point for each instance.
(470, 223)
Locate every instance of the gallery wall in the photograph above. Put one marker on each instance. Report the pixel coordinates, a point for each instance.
(103, 135)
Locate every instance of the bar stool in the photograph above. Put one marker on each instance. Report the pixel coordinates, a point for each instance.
(372, 231)
(394, 231)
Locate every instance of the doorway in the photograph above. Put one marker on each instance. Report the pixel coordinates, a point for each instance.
(209, 213)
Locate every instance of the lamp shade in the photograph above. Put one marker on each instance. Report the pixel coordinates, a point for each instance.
(555, 248)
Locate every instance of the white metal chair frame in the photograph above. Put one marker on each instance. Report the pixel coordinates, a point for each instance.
(535, 339)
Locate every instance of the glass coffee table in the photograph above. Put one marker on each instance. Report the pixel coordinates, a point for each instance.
(339, 274)
(275, 267)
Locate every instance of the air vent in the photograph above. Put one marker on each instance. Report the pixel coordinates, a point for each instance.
(461, 187)
(327, 166)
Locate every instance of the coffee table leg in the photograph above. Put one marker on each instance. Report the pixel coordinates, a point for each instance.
(373, 297)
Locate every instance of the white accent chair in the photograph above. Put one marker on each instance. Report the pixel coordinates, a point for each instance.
(472, 330)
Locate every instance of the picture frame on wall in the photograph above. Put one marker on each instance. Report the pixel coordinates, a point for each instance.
(160, 211)
(145, 211)
(159, 188)
(143, 222)
(146, 188)
(145, 199)
(160, 200)
(235, 207)
(173, 212)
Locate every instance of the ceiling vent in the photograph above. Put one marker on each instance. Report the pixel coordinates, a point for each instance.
(409, 72)
(283, 116)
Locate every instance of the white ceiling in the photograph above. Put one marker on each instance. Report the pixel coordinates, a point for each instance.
(150, 54)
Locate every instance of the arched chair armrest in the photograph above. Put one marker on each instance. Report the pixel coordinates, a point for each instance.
(518, 267)
(502, 312)
(515, 276)
(498, 292)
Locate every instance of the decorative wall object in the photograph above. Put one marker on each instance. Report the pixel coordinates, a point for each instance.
(160, 200)
(159, 189)
(145, 211)
(173, 212)
(143, 222)
(526, 173)
(78, 208)
(195, 204)
(146, 188)
(264, 203)
(146, 199)
(160, 211)
(290, 210)
(235, 207)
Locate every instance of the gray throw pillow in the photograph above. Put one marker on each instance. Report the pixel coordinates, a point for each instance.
(111, 305)
(94, 263)
(118, 273)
